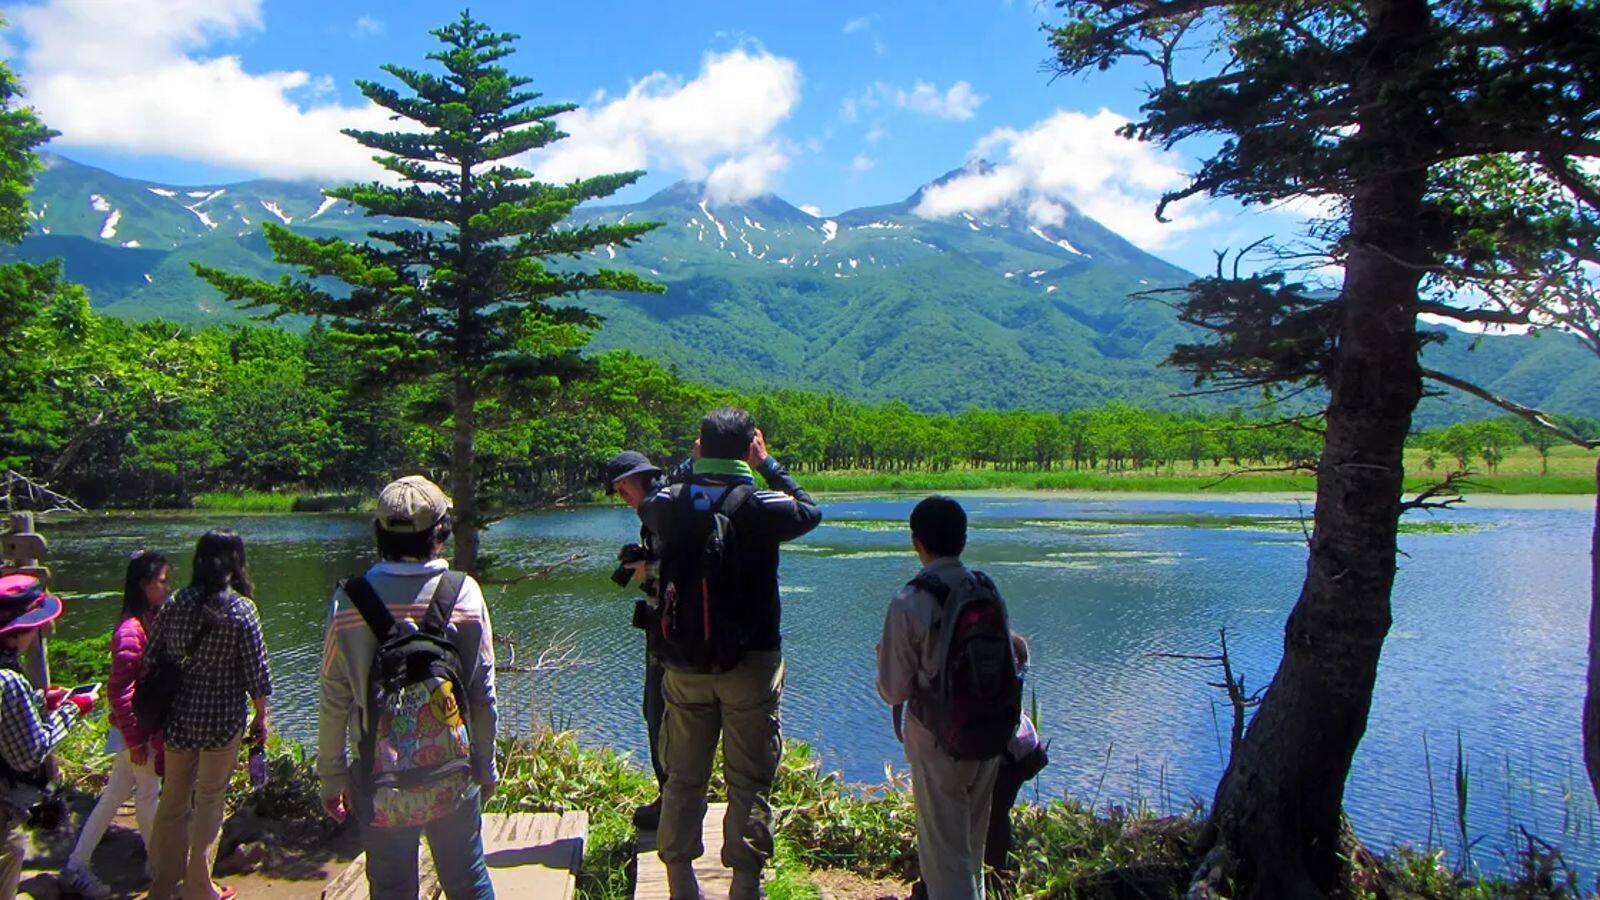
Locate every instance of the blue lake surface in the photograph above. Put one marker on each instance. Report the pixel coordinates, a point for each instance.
(1488, 640)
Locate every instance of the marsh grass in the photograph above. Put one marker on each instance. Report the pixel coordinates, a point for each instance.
(245, 501)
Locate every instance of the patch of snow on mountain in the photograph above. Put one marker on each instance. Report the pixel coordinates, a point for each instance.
(1011, 274)
(204, 219)
(854, 263)
(245, 219)
(109, 229)
(885, 225)
(45, 229)
(655, 271)
(199, 193)
(755, 225)
(747, 245)
(971, 221)
(1063, 243)
(720, 230)
(327, 203)
(130, 244)
(1144, 281)
(693, 222)
(273, 207)
(1036, 273)
(786, 261)
(1050, 290)
(830, 230)
(611, 251)
(148, 279)
(162, 192)
(99, 203)
(733, 254)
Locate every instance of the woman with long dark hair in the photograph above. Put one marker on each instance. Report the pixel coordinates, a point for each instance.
(145, 590)
(212, 631)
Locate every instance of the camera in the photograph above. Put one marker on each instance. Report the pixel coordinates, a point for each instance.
(629, 554)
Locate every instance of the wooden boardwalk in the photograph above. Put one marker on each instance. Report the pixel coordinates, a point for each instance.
(532, 855)
(715, 879)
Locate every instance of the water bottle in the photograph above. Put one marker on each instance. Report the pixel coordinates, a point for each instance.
(258, 766)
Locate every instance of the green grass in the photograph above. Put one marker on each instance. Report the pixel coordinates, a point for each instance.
(1571, 471)
(245, 501)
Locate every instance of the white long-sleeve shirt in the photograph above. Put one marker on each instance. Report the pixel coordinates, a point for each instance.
(406, 588)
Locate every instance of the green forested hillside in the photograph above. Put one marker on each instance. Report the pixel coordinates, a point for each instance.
(875, 303)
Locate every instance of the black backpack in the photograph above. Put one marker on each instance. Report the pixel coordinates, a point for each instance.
(699, 588)
(974, 704)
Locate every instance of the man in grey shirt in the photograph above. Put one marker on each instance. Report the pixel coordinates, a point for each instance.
(952, 796)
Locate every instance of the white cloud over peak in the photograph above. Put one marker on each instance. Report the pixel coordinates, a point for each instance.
(862, 163)
(719, 126)
(959, 102)
(1078, 159)
(130, 75)
(812, 210)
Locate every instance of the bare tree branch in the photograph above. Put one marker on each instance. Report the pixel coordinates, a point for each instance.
(1528, 413)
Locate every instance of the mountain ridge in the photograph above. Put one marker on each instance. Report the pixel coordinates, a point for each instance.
(876, 302)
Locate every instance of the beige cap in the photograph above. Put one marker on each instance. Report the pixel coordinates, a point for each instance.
(411, 505)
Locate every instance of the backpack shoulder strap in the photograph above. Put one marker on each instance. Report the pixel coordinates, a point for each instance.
(446, 592)
(734, 497)
(932, 584)
(370, 605)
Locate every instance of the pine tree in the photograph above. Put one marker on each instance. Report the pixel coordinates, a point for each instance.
(1369, 105)
(461, 296)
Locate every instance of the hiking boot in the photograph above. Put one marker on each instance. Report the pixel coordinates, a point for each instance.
(746, 885)
(77, 879)
(681, 882)
(648, 816)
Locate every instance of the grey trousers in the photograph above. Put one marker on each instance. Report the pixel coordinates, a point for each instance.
(952, 799)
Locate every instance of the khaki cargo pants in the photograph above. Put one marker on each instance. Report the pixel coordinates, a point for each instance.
(742, 706)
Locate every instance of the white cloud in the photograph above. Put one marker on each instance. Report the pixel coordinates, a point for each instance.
(745, 176)
(719, 126)
(812, 210)
(1078, 159)
(368, 26)
(859, 23)
(131, 76)
(862, 163)
(960, 102)
(875, 134)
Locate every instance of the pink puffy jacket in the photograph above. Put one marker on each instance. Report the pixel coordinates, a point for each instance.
(127, 663)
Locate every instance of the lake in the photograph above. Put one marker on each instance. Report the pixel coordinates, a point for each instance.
(1488, 643)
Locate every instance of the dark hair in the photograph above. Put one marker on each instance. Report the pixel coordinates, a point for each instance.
(395, 545)
(726, 433)
(1019, 649)
(940, 525)
(142, 566)
(219, 564)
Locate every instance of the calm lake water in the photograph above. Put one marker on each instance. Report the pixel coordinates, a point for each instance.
(1488, 640)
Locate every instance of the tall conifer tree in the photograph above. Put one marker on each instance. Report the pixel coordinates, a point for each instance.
(463, 298)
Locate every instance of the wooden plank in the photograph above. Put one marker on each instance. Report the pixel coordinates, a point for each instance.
(715, 879)
(535, 854)
(351, 884)
(529, 855)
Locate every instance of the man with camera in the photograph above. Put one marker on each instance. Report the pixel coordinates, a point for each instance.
(717, 635)
(630, 476)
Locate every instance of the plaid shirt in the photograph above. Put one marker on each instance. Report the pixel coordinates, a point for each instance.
(229, 665)
(27, 731)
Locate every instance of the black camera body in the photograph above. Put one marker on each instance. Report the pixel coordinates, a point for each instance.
(629, 554)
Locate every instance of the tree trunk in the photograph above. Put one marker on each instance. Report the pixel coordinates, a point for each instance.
(1591, 698)
(464, 477)
(1275, 823)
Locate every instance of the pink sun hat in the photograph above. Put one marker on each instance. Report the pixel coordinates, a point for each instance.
(24, 604)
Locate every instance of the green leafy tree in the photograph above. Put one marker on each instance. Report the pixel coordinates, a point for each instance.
(460, 297)
(1368, 106)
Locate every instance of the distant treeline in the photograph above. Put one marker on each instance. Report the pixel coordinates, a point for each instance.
(113, 412)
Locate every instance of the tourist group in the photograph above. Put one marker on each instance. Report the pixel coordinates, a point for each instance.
(407, 713)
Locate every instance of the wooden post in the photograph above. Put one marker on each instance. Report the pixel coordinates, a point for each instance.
(36, 664)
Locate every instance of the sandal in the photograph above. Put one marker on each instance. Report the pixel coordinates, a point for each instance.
(224, 891)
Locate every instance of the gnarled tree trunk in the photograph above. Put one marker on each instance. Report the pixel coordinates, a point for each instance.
(1275, 824)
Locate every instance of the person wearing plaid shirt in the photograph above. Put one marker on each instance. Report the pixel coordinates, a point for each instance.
(31, 722)
(207, 720)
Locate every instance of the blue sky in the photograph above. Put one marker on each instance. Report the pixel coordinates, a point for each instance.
(830, 105)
